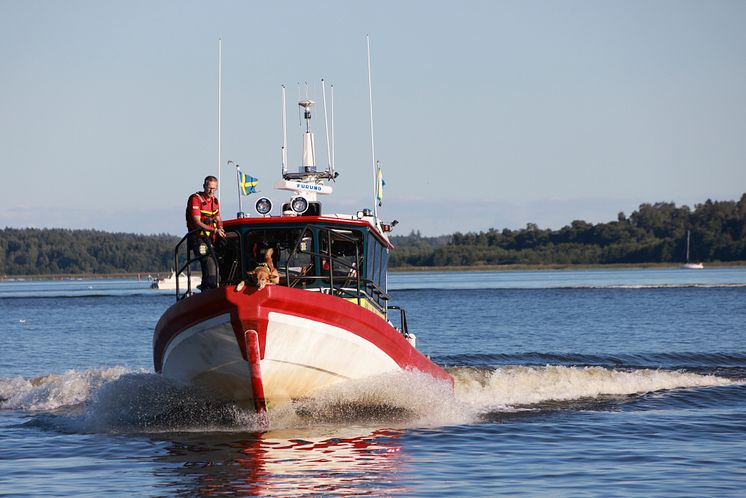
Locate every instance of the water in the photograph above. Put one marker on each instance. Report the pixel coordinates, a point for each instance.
(568, 383)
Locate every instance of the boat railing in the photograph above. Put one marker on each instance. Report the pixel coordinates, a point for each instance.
(186, 244)
(404, 328)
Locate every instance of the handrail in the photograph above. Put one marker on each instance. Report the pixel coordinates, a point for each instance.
(402, 319)
(191, 259)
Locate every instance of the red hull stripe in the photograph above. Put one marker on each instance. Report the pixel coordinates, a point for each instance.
(252, 346)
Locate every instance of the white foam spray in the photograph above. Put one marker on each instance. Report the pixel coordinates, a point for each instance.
(53, 392)
(119, 400)
(512, 386)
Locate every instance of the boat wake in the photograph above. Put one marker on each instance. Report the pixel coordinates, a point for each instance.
(117, 400)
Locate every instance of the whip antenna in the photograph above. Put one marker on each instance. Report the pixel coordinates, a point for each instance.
(372, 142)
(284, 135)
(333, 142)
(326, 129)
(220, 106)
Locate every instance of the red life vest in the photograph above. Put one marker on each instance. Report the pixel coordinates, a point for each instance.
(208, 211)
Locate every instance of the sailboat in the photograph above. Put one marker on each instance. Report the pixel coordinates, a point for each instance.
(688, 265)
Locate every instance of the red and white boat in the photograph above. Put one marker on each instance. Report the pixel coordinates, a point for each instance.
(325, 322)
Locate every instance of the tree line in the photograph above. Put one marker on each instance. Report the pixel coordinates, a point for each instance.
(654, 233)
(32, 251)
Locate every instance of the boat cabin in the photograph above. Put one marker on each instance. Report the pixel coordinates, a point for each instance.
(343, 257)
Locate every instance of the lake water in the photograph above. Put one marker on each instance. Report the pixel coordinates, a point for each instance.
(568, 383)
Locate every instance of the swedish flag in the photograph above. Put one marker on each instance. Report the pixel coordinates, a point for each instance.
(246, 183)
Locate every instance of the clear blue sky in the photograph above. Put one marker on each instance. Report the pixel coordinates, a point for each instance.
(487, 113)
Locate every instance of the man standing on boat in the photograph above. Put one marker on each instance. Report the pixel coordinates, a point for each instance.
(203, 215)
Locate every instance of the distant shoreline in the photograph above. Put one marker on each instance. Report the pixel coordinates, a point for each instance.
(86, 276)
(520, 267)
(399, 269)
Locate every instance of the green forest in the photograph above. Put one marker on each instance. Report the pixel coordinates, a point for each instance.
(654, 233)
(54, 251)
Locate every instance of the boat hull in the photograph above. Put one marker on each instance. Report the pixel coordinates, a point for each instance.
(169, 283)
(266, 347)
(692, 266)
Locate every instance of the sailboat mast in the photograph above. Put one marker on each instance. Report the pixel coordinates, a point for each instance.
(688, 233)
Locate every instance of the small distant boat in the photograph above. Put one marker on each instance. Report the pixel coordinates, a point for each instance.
(688, 265)
(169, 283)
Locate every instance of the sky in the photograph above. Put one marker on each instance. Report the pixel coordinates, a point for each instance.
(486, 114)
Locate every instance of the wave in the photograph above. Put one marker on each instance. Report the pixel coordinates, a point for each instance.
(732, 365)
(118, 400)
(525, 386)
(55, 391)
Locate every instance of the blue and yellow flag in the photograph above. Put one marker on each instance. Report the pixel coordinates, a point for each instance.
(379, 184)
(246, 183)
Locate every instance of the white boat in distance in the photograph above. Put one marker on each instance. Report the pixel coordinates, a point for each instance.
(687, 265)
(169, 283)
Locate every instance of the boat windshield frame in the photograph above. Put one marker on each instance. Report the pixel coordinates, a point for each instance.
(344, 258)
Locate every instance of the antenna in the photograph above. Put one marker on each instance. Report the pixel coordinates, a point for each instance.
(284, 135)
(220, 106)
(307, 182)
(308, 164)
(372, 143)
(326, 128)
(333, 142)
(308, 170)
(300, 97)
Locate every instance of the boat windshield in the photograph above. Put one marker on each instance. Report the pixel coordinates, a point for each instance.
(343, 261)
(288, 249)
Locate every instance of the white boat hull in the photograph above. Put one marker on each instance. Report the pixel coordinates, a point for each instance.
(302, 355)
(277, 344)
(169, 283)
(692, 266)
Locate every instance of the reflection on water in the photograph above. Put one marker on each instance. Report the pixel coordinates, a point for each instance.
(288, 463)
